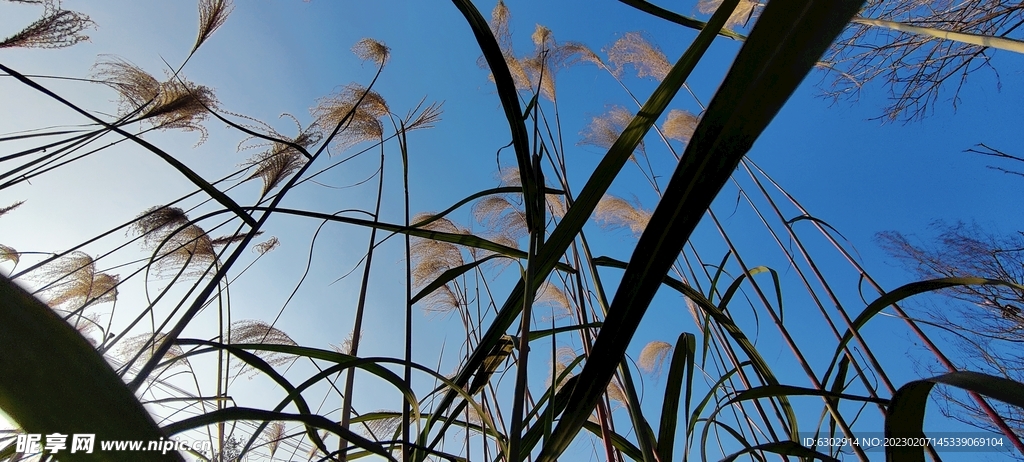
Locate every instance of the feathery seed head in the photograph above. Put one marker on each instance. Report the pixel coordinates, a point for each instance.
(635, 50)
(744, 11)
(615, 392)
(56, 29)
(274, 434)
(653, 357)
(9, 254)
(176, 242)
(614, 212)
(554, 296)
(259, 332)
(358, 123)
(679, 125)
(73, 282)
(266, 246)
(212, 15)
(383, 427)
(176, 103)
(500, 17)
(283, 157)
(9, 208)
(368, 49)
(149, 343)
(605, 129)
(500, 216)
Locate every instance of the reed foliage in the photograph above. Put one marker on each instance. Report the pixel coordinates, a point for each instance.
(539, 286)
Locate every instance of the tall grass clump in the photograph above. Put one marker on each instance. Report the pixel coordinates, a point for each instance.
(336, 309)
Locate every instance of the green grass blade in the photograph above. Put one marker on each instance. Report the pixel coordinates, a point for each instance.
(539, 334)
(785, 44)
(677, 18)
(53, 381)
(682, 363)
(509, 97)
(311, 420)
(772, 391)
(215, 193)
(903, 292)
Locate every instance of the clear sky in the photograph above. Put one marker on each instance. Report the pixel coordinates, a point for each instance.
(858, 174)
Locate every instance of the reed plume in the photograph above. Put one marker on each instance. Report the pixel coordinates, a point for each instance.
(745, 10)
(368, 49)
(274, 434)
(266, 246)
(75, 282)
(281, 159)
(635, 50)
(563, 357)
(500, 17)
(552, 295)
(259, 332)
(57, 28)
(426, 118)
(176, 103)
(212, 15)
(9, 208)
(364, 122)
(509, 176)
(614, 212)
(602, 131)
(500, 216)
(9, 254)
(679, 125)
(132, 345)
(177, 243)
(653, 357)
(382, 427)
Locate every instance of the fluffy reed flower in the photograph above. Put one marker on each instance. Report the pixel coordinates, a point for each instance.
(76, 282)
(176, 103)
(358, 123)
(538, 70)
(500, 216)
(382, 427)
(745, 10)
(431, 258)
(368, 49)
(9, 254)
(602, 131)
(615, 212)
(552, 295)
(133, 345)
(9, 208)
(635, 50)
(56, 29)
(266, 246)
(653, 357)
(178, 245)
(615, 392)
(212, 15)
(679, 125)
(259, 332)
(273, 436)
(509, 176)
(426, 118)
(563, 357)
(281, 159)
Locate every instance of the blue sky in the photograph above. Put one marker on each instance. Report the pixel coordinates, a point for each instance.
(859, 175)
